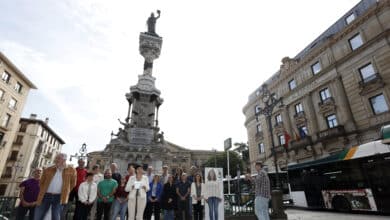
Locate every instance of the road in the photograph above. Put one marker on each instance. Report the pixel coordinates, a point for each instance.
(297, 214)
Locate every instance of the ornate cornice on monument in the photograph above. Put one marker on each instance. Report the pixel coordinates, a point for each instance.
(145, 85)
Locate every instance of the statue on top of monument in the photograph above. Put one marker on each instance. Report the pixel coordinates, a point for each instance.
(151, 22)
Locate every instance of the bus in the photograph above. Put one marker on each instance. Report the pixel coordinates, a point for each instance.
(354, 179)
(243, 187)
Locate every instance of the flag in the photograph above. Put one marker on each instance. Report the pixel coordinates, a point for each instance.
(302, 133)
(286, 139)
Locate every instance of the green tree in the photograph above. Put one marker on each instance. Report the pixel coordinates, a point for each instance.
(221, 161)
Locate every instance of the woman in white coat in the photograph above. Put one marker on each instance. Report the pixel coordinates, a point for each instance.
(197, 195)
(137, 186)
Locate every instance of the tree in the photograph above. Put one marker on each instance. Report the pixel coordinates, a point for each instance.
(221, 161)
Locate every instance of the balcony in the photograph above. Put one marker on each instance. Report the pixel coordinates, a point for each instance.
(331, 133)
(300, 144)
(300, 117)
(259, 135)
(6, 175)
(327, 105)
(371, 83)
(278, 149)
(49, 155)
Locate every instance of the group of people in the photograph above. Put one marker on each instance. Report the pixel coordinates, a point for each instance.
(137, 195)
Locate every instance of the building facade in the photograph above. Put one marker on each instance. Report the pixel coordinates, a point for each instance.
(139, 139)
(14, 89)
(35, 145)
(335, 92)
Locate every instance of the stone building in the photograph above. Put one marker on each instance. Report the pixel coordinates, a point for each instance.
(35, 145)
(335, 92)
(14, 89)
(140, 140)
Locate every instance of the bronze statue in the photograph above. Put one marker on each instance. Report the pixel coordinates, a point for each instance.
(152, 23)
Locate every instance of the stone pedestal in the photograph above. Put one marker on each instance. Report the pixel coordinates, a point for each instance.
(277, 206)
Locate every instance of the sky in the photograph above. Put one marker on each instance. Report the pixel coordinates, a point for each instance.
(83, 56)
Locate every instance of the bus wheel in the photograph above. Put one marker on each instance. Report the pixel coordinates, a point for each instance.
(341, 204)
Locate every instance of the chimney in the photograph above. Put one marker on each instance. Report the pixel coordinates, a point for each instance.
(46, 120)
(33, 116)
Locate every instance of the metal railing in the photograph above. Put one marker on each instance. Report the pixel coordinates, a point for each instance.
(239, 205)
(7, 207)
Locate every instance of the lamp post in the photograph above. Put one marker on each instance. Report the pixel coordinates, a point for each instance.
(270, 101)
(17, 167)
(82, 151)
(215, 157)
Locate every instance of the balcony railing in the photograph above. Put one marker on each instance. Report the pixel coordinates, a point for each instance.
(299, 114)
(331, 133)
(327, 101)
(370, 80)
(302, 143)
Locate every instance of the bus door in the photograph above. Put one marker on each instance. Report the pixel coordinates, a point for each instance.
(378, 175)
(312, 187)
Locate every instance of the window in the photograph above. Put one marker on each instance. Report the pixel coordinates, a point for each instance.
(5, 77)
(298, 108)
(6, 120)
(278, 118)
(3, 188)
(350, 18)
(14, 155)
(282, 140)
(355, 42)
(325, 94)
(7, 173)
(23, 127)
(1, 94)
(292, 84)
(261, 148)
(367, 73)
(19, 139)
(18, 87)
(258, 128)
(42, 132)
(315, 68)
(12, 103)
(378, 104)
(332, 121)
(1, 138)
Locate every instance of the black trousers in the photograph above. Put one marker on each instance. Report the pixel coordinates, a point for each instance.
(103, 208)
(83, 211)
(184, 210)
(198, 211)
(22, 211)
(73, 196)
(152, 207)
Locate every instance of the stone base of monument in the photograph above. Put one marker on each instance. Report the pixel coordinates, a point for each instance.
(277, 206)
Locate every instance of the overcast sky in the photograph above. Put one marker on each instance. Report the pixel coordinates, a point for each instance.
(83, 56)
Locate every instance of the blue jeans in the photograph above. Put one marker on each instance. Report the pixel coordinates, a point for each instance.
(169, 214)
(213, 207)
(119, 208)
(261, 208)
(53, 200)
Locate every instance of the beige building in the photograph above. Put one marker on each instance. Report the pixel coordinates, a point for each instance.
(14, 89)
(35, 145)
(335, 92)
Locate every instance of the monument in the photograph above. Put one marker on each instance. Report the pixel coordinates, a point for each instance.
(139, 139)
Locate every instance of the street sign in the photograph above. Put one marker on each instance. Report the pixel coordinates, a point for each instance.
(227, 144)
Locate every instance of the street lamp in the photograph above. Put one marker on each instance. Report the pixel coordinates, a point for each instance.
(215, 156)
(82, 151)
(270, 101)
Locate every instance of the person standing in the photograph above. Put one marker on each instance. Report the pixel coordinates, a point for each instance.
(28, 195)
(164, 175)
(130, 172)
(183, 190)
(87, 194)
(153, 205)
(120, 202)
(197, 188)
(169, 199)
(115, 174)
(137, 186)
(54, 187)
(97, 177)
(149, 174)
(262, 192)
(213, 194)
(73, 195)
(105, 193)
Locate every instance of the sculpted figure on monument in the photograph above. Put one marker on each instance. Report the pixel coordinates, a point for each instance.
(152, 23)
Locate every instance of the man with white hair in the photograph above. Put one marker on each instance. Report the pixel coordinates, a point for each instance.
(55, 185)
